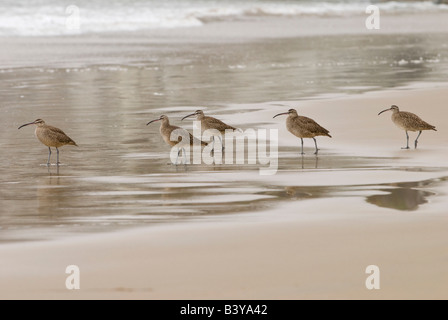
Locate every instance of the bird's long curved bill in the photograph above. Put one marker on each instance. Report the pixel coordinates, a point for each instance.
(26, 124)
(153, 121)
(383, 111)
(280, 114)
(190, 115)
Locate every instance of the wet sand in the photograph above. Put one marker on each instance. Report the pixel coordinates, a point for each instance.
(316, 244)
(139, 228)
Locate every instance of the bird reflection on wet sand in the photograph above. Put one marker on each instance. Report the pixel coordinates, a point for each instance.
(404, 199)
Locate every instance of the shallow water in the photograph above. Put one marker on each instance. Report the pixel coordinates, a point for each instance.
(120, 175)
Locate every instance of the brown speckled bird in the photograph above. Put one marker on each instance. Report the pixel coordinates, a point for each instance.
(303, 127)
(409, 122)
(208, 123)
(181, 137)
(51, 137)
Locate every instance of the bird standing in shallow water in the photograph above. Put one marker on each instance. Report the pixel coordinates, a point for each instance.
(208, 123)
(409, 122)
(51, 137)
(183, 136)
(303, 127)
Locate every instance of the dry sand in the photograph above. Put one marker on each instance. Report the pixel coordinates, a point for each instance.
(313, 249)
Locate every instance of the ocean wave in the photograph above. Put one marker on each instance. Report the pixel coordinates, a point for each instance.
(49, 18)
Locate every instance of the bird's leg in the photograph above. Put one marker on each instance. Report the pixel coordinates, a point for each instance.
(178, 153)
(222, 144)
(315, 143)
(184, 155)
(57, 163)
(302, 146)
(49, 155)
(416, 140)
(213, 146)
(407, 141)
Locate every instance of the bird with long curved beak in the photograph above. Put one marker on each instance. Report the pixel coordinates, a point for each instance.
(303, 127)
(183, 136)
(50, 136)
(208, 123)
(408, 121)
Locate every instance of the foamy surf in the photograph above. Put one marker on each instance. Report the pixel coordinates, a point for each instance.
(51, 18)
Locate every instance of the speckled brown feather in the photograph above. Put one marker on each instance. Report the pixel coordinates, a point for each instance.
(52, 136)
(304, 127)
(410, 122)
(208, 122)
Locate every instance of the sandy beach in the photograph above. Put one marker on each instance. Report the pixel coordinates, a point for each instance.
(316, 248)
(139, 227)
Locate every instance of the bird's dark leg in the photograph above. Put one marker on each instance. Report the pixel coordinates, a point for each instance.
(57, 163)
(407, 141)
(222, 144)
(302, 146)
(49, 155)
(184, 154)
(315, 143)
(213, 148)
(417, 139)
(178, 154)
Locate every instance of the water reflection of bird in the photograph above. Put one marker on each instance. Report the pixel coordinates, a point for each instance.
(405, 199)
(51, 197)
(409, 122)
(51, 137)
(303, 127)
(310, 162)
(176, 136)
(297, 192)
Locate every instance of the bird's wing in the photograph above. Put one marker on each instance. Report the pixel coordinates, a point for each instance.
(59, 135)
(56, 130)
(414, 121)
(311, 125)
(218, 124)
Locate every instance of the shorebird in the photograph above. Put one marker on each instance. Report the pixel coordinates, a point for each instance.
(409, 122)
(183, 136)
(50, 136)
(208, 122)
(303, 127)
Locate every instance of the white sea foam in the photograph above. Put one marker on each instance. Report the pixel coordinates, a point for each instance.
(53, 17)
